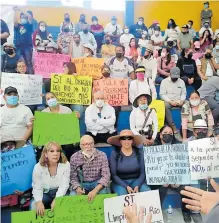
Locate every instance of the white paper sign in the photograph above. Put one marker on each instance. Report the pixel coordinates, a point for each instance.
(150, 201)
(29, 87)
(204, 158)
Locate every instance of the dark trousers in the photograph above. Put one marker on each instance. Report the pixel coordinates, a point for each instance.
(214, 106)
(101, 137)
(48, 198)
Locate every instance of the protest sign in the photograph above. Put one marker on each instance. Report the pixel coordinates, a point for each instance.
(115, 90)
(89, 66)
(77, 209)
(204, 158)
(31, 217)
(167, 164)
(150, 201)
(60, 128)
(159, 106)
(47, 63)
(29, 87)
(16, 170)
(72, 89)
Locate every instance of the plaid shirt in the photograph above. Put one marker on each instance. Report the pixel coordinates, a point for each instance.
(96, 169)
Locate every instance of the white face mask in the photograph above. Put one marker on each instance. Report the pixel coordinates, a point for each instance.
(163, 54)
(42, 28)
(140, 23)
(95, 23)
(86, 54)
(195, 102)
(156, 33)
(99, 103)
(126, 31)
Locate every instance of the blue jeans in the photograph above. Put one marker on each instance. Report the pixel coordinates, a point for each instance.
(80, 109)
(119, 190)
(89, 186)
(158, 80)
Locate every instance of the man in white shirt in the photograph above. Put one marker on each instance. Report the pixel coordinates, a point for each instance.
(120, 66)
(87, 37)
(125, 38)
(76, 47)
(173, 92)
(100, 119)
(15, 119)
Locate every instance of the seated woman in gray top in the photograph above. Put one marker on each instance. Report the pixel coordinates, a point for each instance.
(127, 164)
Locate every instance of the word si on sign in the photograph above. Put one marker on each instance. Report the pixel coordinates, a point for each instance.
(16, 170)
(115, 90)
(167, 164)
(204, 158)
(149, 201)
(71, 89)
(89, 66)
(47, 63)
(29, 87)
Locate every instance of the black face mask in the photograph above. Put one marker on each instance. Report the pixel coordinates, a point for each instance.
(208, 56)
(174, 79)
(9, 51)
(201, 135)
(67, 19)
(106, 74)
(167, 138)
(197, 49)
(85, 31)
(184, 33)
(170, 43)
(119, 55)
(66, 30)
(107, 41)
(190, 55)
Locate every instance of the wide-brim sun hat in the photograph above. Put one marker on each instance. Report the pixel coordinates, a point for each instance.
(200, 124)
(149, 99)
(19, 143)
(115, 140)
(89, 46)
(168, 40)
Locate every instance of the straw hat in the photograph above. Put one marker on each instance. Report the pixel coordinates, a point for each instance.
(115, 140)
(19, 143)
(149, 99)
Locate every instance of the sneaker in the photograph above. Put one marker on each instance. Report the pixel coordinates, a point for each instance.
(187, 218)
(196, 217)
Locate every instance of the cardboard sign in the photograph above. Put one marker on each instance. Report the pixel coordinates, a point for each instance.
(150, 201)
(16, 166)
(77, 209)
(115, 90)
(71, 89)
(204, 158)
(47, 63)
(167, 164)
(61, 128)
(29, 87)
(89, 66)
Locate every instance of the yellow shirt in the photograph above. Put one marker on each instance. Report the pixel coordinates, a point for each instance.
(108, 50)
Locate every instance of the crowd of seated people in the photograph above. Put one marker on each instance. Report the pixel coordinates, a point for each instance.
(178, 59)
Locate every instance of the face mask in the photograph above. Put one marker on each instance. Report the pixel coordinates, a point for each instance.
(184, 33)
(86, 54)
(67, 19)
(208, 56)
(99, 103)
(201, 135)
(106, 74)
(143, 107)
(206, 26)
(119, 55)
(167, 138)
(206, 6)
(12, 100)
(23, 21)
(174, 79)
(113, 22)
(190, 55)
(140, 23)
(107, 41)
(66, 30)
(217, 47)
(170, 23)
(9, 51)
(195, 102)
(197, 49)
(42, 29)
(85, 31)
(163, 54)
(170, 43)
(95, 23)
(82, 19)
(156, 33)
(126, 31)
(132, 44)
(140, 76)
(143, 36)
(52, 102)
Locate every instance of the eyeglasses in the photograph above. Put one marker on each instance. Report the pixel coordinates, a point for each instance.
(126, 138)
(87, 144)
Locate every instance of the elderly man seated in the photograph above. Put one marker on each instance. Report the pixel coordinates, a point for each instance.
(100, 119)
(90, 173)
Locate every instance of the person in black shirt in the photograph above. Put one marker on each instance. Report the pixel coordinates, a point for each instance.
(4, 32)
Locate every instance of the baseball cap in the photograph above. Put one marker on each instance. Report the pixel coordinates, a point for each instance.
(10, 89)
(185, 26)
(175, 72)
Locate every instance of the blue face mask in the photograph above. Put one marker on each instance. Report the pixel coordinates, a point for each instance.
(52, 102)
(12, 100)
(217, 47)
(143, 107)
(113, 22)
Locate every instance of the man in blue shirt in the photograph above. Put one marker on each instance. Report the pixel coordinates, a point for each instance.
(138, 28)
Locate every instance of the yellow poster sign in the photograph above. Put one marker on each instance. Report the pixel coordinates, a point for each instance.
(71, 89)
(89, 66)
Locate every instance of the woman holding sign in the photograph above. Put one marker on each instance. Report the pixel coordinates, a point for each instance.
(51, 177)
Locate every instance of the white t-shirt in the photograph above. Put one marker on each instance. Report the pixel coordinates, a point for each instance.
(109, 29)
(209, 71)
(62, 110)
(125, 39)
(14, 121)
(77, 50)
(143, 42)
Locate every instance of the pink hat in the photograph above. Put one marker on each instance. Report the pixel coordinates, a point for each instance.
(155, 22)
(197, 44)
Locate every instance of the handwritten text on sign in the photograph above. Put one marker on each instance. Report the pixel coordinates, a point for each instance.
(167, 164)
(204, 158)
(16, 166)
(89, 67)
(72, 89)
(29, 87)
(115, 90)
(150, 201)
(48, 63)
(77, 209)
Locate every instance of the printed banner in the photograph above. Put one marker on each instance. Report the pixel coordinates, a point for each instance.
(71, 89)
(159, 106)
(204, 158)
(115, 90)
(61, 128)
(89, 66)
(167, 164)
(77, 209)
(16, 170)
(47, 63)
(29, 87)
(150, 201)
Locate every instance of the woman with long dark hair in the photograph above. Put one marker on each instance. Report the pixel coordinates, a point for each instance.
(206, 40)
(172, 31)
